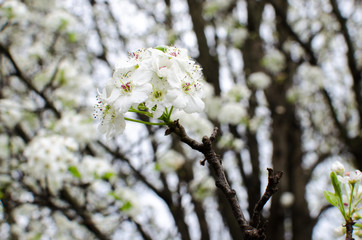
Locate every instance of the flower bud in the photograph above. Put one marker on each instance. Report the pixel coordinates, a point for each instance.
(338, 168)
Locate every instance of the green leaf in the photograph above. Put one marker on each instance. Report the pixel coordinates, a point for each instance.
(358, 225)
(331, 198)
(37, 237)
(72, 37)
(338, 194)
(74, 171)
(126, 206)
(157, 167)
(161, 48)
(113, 194)
(108, 175)
(336, 185)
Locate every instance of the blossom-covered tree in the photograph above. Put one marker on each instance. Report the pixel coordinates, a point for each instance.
(281, 80)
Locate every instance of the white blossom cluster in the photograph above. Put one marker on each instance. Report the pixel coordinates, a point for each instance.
(169, 161)
(153, 81)
(50, 157)
(274, 61)
(259, 80)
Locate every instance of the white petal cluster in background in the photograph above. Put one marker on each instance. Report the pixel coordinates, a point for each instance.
(274, 61)
(259, 80)
(13, 10)
(75, 125)
(169, 161)
(196, 124)
(232, 112)
(49, 158)
(152, 80)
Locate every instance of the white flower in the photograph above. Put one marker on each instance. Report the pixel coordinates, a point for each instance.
(340, 231)
(351, 177)
(255, 123)
(48, 159)
(312, 74)
(131, 203)
(238, 36)
(274, 61)
(77, 126)
(128, 87)
(100, 187)
(211, 7)
(13, 9)
(228, 141)
(338, 168)
(259, 80)
(202, 187)
(152, 80)
(186, 89)
(238, 92)
(112, 121)
(60, 20)
(91, 167)
(170, 161)
(232, 113)
(11, 112)
(213, 106)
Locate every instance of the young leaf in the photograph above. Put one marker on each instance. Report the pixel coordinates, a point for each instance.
(126, 206)
(331, 198)
(108, 175)
(338, 194)
(74, 171)
(161, 48)
(336, 185)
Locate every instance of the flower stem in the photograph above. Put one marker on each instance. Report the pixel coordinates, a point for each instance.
(350, 202)
(144, 122)
(141, 112)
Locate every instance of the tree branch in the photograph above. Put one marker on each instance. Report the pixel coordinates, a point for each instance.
(273, 180)
(355, 72)
(249, 231)
(27, 81)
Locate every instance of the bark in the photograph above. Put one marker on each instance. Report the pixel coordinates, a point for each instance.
(209, 62)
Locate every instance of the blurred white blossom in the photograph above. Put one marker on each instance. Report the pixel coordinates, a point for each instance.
(202, 187)
(238, 36)
(259, 80)
(13, 10)
(232, 113)
(238, 92)
(48, 160)
(274, 61)
(76, 125)
(169, 161)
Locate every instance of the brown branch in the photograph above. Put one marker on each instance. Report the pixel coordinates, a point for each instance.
(282, 17)
(144, 234)
(349, 229)
(352, 63)
(273, 180)
(249, 231)
(82, 212)
(27, 81)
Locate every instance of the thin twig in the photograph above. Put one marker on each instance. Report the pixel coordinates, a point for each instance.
(249, 231)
